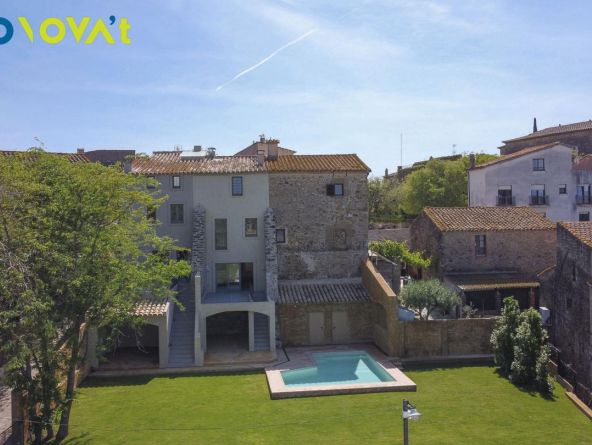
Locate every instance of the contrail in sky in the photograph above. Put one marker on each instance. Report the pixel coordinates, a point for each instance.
(267, 59)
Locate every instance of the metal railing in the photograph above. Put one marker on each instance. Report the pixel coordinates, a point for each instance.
(505, 200)
(539, 200)
(583, 199)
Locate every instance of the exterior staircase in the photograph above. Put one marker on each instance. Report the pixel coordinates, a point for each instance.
(261, 325)
(181, 351)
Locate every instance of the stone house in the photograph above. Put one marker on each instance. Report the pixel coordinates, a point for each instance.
(486, 253)
(570, 302)
(275, 241)
(577, 135)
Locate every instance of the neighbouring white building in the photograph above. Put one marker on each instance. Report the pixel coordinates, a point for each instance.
(550, 178)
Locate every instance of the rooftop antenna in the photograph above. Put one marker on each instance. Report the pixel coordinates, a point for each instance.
(401, 150)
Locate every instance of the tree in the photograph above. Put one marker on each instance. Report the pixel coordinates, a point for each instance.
(502, 337)
(531, 353)
(439, 183)
(425, 296)
(76, 250)
(383, 200)
(399, 252)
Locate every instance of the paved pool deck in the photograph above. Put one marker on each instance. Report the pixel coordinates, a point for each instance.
(302, 357)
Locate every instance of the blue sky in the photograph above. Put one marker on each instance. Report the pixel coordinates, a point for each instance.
(464, 73)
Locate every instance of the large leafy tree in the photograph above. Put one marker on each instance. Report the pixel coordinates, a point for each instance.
(76, 249)
(384, 200)
(425, 296)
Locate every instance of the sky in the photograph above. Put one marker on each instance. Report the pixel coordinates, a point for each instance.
(321, 76)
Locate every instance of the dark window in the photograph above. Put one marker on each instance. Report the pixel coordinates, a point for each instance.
(584, 216)
(280, 236)
(335, 189)
(183, 255)
(151, 213)
(537, 195)
(176, 182)
(562, 189)
(237, 186)
(221, 236)
(583, 194)
(150, 185)
(177, 216)
(480, 245)
(250, 227)
(504, 195)
(538, 165)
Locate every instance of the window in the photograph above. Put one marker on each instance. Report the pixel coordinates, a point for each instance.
(280, 236)
(563, 189)
(538, 165)
(150, 183)
(335, 189)
(584, 194)
(537, 195)
(480, 245)
(183, 255)
(151, 213)
(250, 227)
(237, 186)
(584, 216)
(177, 216)
(228, 276)
(220, 236)
(176, 182)
(504, 195)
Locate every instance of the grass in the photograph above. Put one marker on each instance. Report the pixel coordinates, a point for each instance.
(462, 405)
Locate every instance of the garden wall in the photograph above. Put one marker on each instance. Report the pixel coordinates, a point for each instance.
(431, 338)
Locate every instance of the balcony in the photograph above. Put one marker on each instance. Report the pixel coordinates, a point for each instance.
(539, 200)
(583, 199)
(503, 201)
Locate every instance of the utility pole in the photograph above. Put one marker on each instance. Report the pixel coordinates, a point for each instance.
(401, 150)
(405, 423)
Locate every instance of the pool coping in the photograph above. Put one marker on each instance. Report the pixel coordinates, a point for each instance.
(300, 357)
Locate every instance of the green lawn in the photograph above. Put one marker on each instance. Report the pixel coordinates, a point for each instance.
(469, 405)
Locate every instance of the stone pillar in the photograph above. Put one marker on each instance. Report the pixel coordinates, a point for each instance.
(271, 255)
(198, 244)
(396, 277)
(498, 300)
(251, 331)
(91, 347)
(532, 297)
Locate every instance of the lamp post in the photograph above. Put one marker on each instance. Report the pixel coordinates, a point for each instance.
(409, 412)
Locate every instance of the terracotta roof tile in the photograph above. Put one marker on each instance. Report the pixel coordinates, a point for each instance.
(151, 308)
(583, 164)
(559, 129)
(581, 230)
(73, 157)
(171, 162)
(519, 153)
(481, 219)
(492, 281)
(322, 292)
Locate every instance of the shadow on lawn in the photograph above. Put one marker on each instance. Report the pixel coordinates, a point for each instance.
(531, 390)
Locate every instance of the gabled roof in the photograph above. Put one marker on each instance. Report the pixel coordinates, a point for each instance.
(109, 156)
(72, 157)
(483, 219)
(171, 163)
(559, 129)
(519, 153)
(581, 230)
(322, 292)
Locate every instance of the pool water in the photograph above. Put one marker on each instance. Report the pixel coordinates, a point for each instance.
(338, 368)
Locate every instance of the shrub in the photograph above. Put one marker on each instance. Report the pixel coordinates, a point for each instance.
(425, 296)
(399, 252)
(502, 337)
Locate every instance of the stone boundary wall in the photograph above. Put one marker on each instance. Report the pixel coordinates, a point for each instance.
(441, 338)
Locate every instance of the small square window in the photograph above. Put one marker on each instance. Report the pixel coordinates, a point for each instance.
(177, 216)
(480, 245)
(584, 216)
(538, 165)
(280, 236)
(250, 227)
(562, 189)
(237, 186)
(335, 189)
(176, 182)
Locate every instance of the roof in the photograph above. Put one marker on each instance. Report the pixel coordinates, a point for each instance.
(109, 156)
(251, 150)
(481, 219)
(322, 291)
(171, 163)
(559, 129)
(151, 308)
(72, 157)
(491, 281)
(581, 230)
(583, 164)
(519, 153)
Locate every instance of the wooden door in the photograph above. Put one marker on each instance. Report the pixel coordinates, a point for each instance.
(340, 326)
(316, 328)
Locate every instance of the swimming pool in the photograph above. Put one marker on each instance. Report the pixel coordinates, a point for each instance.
(338, 368)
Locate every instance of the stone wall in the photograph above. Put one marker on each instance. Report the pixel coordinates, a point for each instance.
(271, 255)
(294, 322)
(425, 237)
(326, 236)
(571, 308)
(198, 246)
(465, 336)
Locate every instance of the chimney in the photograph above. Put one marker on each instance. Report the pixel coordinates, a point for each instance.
(260, 157)
(197, 148)
(472, 162)
(534, 126)
(261, 138)
(80, 151)
(385, 172)
(272, 149)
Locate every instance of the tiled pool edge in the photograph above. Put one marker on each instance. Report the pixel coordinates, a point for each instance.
(300, 357)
